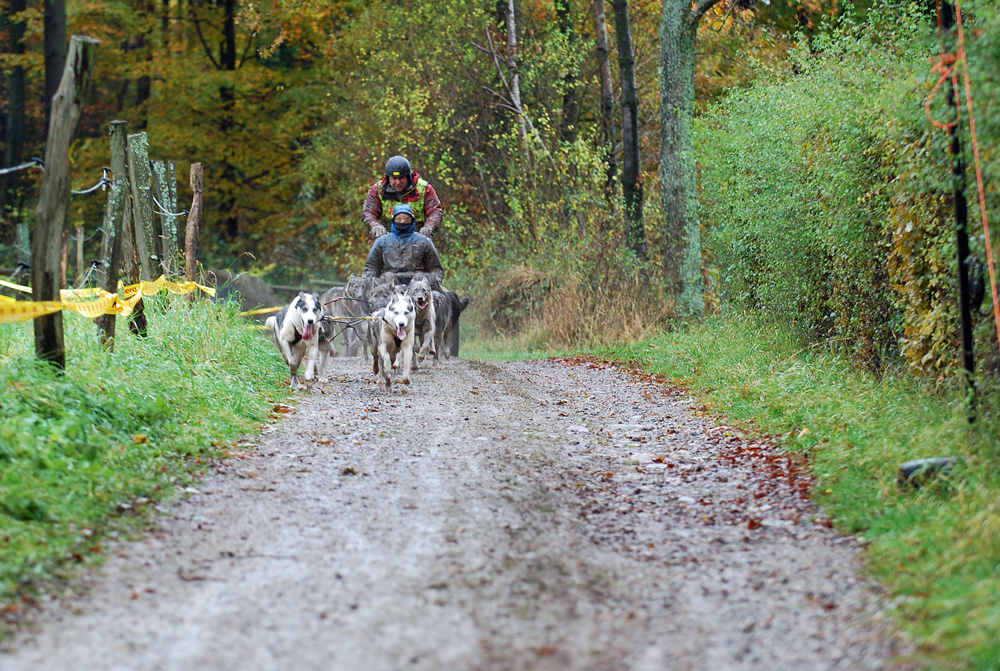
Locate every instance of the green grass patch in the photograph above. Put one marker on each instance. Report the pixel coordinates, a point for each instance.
(936, 548)
(79, 449)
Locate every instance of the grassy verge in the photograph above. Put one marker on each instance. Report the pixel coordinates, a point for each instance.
(936, 549)
(117, 430)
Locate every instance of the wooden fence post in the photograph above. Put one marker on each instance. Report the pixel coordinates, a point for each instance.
(80, 270)
(114, 228)
(64, 259)
(165, 183)
(53, 199)
(23, 243)
(141, 183)
(194, 222)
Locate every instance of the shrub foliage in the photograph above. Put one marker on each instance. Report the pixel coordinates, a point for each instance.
(827, 194)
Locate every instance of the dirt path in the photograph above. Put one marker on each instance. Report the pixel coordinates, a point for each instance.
(536, 515)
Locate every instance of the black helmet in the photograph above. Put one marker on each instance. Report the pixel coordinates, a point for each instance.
(397, 166)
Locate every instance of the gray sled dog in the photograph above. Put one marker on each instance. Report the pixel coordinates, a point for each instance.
(447, 310)
(390, 333)
(419, 290)
(294, 331)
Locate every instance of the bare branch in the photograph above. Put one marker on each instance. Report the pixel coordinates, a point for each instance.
(201, 38)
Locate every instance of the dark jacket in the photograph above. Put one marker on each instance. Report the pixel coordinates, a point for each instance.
(419, 192)
(409, 254)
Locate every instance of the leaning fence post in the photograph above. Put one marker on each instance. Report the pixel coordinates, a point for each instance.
(165, 183)
(53, 199)
(194, 222)
(114, 229)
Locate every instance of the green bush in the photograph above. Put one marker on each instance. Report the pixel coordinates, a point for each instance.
(826, 194)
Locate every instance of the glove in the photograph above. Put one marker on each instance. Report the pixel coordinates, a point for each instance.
(378, 230)
(426, 230)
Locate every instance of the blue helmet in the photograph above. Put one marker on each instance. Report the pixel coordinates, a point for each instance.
(403, 208)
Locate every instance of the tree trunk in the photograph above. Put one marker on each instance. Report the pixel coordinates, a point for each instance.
(14, 129)
(571, 97)
(55, 50)
(227, 93)
(607, 98)
(53, 199)
(515, 83)
(681, 235)
(635, 230)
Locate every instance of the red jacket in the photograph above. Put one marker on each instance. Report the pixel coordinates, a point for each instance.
(419, 191)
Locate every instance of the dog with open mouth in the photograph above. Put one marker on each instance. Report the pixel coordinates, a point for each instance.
(294, 331)
(390, 333)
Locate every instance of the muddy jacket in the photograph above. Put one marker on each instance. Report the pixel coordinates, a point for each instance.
(410, 254)
(421, 195)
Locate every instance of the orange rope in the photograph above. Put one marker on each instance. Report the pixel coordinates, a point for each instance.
(946, 65)
(979, 170)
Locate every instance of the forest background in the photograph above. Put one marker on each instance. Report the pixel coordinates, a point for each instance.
(825, 192)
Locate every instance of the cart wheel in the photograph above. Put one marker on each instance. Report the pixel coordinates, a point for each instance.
(454, 341)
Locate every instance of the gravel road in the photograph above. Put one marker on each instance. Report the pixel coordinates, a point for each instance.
(532, 515)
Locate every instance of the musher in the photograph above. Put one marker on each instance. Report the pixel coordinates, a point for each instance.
(404, 252)
(401, 185)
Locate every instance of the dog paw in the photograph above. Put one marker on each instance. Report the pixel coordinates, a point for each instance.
(405, 380)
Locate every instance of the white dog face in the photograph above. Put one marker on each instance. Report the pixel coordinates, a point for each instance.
(307, 311)
(399, 314)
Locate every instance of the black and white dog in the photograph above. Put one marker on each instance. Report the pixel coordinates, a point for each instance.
(390, 333)
(294, 330)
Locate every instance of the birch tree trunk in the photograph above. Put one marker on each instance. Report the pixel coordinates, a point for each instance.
(607, 98)
(515, 85)
(681, 235)
(635, 230)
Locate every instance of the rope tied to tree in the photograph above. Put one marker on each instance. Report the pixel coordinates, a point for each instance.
(945, 65)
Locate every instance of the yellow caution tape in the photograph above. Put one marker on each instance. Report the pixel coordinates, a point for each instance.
(107, 303)
(22, 310)
(18, 287)
(261, 311)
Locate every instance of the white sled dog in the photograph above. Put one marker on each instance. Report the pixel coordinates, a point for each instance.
(294, 331)
(392, 332)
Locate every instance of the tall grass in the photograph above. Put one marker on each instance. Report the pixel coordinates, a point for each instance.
(937, 549)
(118, 428)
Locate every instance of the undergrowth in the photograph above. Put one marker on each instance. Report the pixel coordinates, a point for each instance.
(118, 430)
(936, 549)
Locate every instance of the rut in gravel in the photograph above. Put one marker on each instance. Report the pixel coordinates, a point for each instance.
(532, 515)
